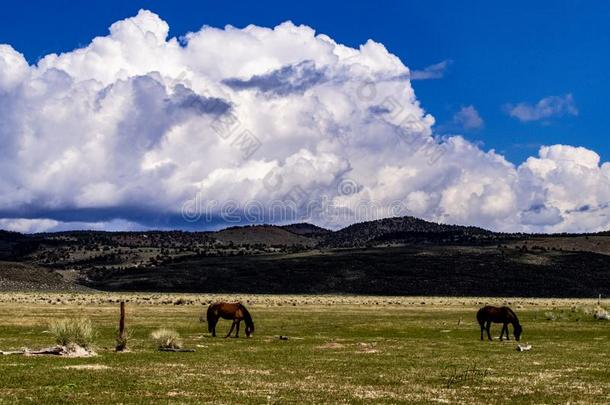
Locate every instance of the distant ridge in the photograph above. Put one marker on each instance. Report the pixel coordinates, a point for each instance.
(383, 231)
(398, 229)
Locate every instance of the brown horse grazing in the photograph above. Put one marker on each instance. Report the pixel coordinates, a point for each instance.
(503, 315)
(234, 311)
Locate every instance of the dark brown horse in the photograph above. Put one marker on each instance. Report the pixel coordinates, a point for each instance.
(503, 315)
(233, 311)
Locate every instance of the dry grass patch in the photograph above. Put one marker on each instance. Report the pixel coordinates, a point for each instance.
(87, 367)
(68, 332)
(166, 339)
(331, 345)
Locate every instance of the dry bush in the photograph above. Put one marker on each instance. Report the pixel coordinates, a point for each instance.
(69, 332)
(121, 340)
(166, 339)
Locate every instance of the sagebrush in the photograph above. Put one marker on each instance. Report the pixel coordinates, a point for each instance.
(78, 331)
(166, 339)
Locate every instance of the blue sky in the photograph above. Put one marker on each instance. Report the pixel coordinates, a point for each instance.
(498, 54)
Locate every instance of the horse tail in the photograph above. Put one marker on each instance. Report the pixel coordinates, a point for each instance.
(211, 318)
(247, 317)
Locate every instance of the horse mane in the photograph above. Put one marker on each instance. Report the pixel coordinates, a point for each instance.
(247, 317)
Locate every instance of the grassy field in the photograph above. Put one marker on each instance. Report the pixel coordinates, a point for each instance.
(340, 350)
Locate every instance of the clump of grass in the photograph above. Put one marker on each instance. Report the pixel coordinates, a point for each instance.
(166, 339)
(122, 339)
(69, 332)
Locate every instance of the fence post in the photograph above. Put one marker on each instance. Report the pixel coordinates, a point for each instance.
(121, 339)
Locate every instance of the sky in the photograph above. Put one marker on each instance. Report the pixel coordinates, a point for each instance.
(513, 94)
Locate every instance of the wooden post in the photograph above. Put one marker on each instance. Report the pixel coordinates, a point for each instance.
(121, 339)
(122, 320)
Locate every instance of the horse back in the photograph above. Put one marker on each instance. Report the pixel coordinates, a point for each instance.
(228, 310)
(495, 314)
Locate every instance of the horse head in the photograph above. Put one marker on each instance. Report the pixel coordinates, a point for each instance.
(518, 331)
(249, 330)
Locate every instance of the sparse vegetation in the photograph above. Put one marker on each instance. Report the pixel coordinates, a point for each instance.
(166, 339)
(68, 332)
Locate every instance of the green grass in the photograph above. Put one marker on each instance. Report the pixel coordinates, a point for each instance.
(336, 353)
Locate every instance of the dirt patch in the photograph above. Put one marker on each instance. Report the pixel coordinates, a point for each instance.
(361, 347)
(367, 348)
(87, 367)
(331, 345)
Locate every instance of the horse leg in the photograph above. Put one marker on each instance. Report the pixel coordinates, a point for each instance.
(507, 335)
(237, 329)
(488, 327)
(231, 330)
(215, 322)
(502, 331)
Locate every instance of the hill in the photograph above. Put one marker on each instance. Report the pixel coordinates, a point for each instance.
(267, 235)
(308, 230)
(431, 271)
(27, 277)
(403, 255)
(406, 230)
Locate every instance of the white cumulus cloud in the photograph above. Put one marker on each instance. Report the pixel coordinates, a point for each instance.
(138, 130)
(552, 106)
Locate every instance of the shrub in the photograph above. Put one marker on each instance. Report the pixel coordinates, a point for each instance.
(166, 339)
(121, 340)
(68, 332)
